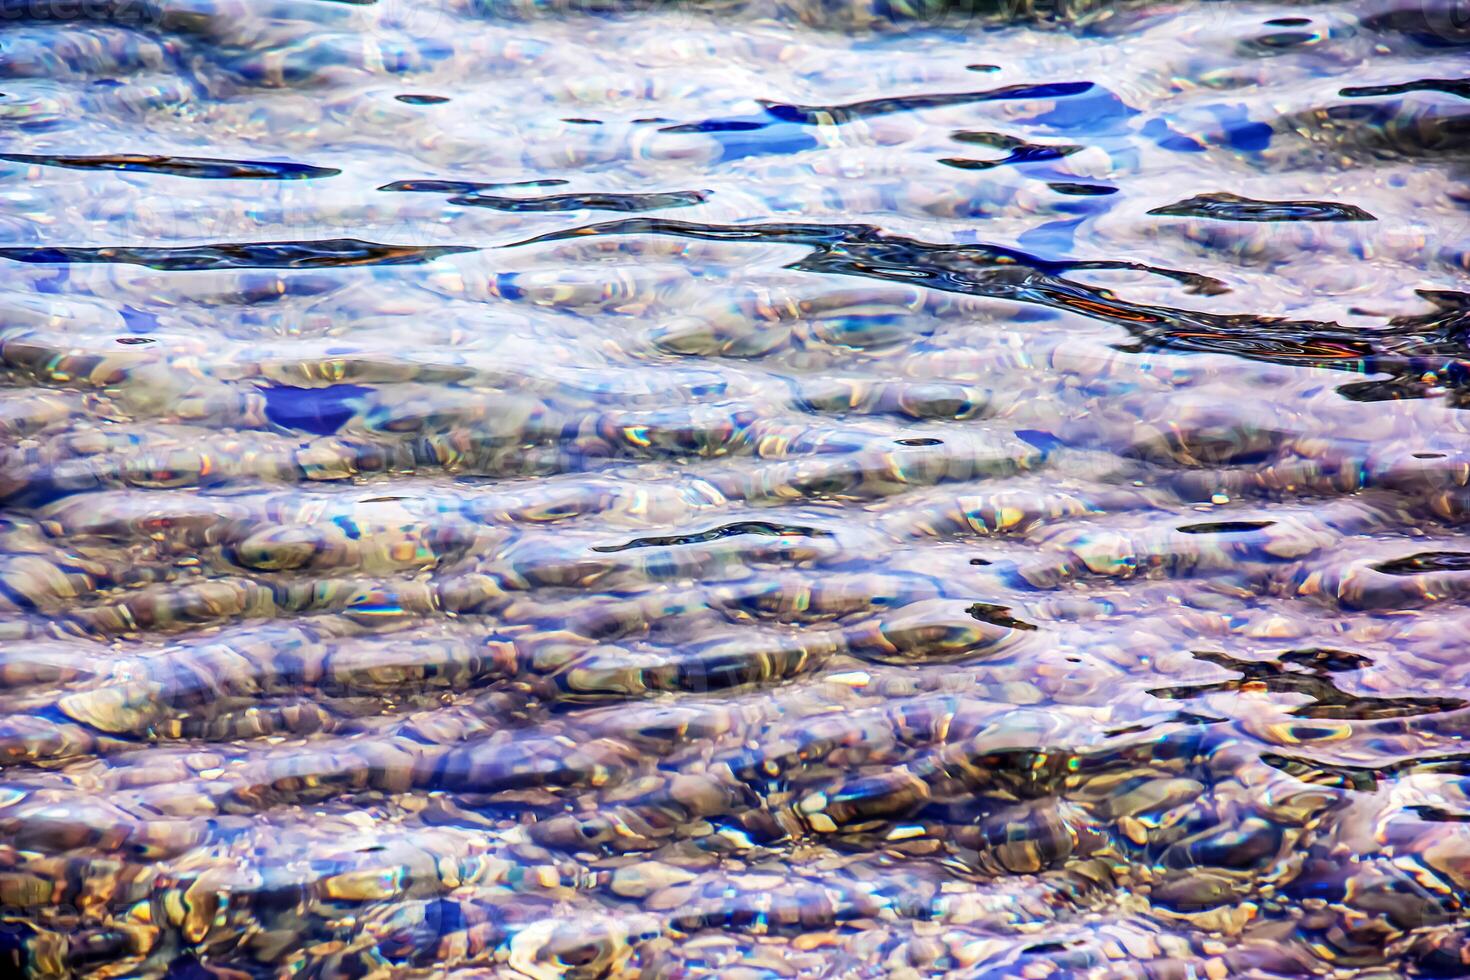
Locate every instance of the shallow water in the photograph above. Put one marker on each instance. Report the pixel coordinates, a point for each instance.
(765, 490)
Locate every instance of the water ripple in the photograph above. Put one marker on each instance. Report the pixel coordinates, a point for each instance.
(990, 499)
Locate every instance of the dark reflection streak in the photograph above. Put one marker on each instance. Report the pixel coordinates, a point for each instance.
(1032, 154)
(839, 114)
(580, 202)
(1309, 679)
(1437, 815)
(986, 612)
(198, 167)
(1450, 86)
(326, 254)
(1225, 527)
(1364, 778)
(463, 186)
(717, 126)
(1018, 151)
(1082, 190)
(763, 528)
(1427, 561)
(1232, 207)
(1413, 349)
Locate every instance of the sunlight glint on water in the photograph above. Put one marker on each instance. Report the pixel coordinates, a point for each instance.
(788, 489)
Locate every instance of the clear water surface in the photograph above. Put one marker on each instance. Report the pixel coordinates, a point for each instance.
(787, 489)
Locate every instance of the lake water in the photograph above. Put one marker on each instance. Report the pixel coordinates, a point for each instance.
(804, 488)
